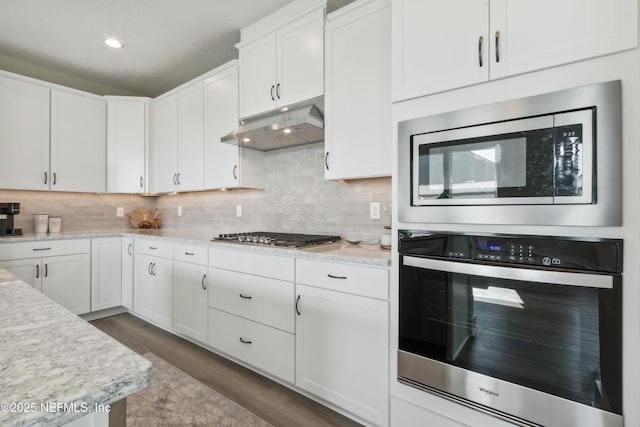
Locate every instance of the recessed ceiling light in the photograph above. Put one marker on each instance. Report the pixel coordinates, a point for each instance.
(116, 44)
(246, 139)
(287, 130)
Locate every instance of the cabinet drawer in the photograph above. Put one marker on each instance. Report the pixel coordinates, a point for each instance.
(273, 266)
(264, 300)
(43, 248)
(190, 253)
(155, 247)
(355, 279)
(268, 349)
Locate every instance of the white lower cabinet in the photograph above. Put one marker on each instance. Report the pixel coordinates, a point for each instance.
(106, 273)
(190, 300)
(64, 274)
(251, 302)
(342, 340)
(127, 272)
(153, 290)
(268, 349)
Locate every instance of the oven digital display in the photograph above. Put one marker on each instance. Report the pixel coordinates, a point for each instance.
(488, 245)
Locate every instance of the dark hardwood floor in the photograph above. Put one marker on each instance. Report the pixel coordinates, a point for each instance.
(269, 400)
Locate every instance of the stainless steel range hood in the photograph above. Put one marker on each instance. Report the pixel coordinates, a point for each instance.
(296, 125)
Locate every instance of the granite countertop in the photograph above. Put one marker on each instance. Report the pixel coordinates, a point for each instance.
(50, 357)
(341, 251)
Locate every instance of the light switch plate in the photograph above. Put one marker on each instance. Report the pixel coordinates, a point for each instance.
(119, 212)
(374, 210)
(238, 211)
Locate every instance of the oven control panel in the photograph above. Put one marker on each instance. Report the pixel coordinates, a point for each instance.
(553, 252)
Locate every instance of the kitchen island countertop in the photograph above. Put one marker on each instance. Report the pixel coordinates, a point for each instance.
(54, 366)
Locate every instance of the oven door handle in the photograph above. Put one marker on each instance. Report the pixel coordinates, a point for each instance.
(602, 281)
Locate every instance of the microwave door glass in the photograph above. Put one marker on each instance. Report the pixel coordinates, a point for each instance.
(496, 167)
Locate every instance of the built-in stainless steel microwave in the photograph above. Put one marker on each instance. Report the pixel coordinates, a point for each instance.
(552, 159)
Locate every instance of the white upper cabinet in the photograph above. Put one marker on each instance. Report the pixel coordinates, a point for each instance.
(441, 45)
(78, 142)
(24, 135)
(177, 144)
(227, 165)
(127, 131)
(191, 140)
(544, 33)
(164, 145)
(281, 58)
(358, 91)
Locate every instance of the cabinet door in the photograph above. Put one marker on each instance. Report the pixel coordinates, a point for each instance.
(540, 34)
(258, 76)
(191, 140)
(439, 45)
(126, 145)
(164, 144)
(78, 143)
(358, 93)
(221, 117)
(190, 302)
(342, 350)
(106, 273)
(163, 292)
(301, 60)
(127, 272)
(67, 281)
(27, 270)
(24, 135)
(143, 286)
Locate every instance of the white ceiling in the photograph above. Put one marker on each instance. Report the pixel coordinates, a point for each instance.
(166, 42)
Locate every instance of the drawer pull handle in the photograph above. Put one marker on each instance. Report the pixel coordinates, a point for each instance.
(37, 271)
(497, 46)
(189, 253)
(337, 277)
(297, 302)
(480, 51)
(153, 247)
(41, 249)
(242, 340)
(204, 286)
(245, 296)
(46, 270)
(129, 249)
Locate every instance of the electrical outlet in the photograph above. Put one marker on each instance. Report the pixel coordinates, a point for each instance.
(374, 210)
(179, 210)
(119, 212)
(238, 211)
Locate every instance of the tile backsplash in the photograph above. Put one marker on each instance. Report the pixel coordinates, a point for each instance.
(296, 198)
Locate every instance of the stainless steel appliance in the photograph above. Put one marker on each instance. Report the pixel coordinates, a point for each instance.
(268, 238)
(552, 159)
(7, 212)
(526, 328)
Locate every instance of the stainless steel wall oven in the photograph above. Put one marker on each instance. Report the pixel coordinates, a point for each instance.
(528, 328)
(552, 159)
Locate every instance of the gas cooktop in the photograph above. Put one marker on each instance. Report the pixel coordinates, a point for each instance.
(267, 238)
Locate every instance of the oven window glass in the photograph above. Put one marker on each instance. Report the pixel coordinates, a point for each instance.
(561, 340)
(510, 165)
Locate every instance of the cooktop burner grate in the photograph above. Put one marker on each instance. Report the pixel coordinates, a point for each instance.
(267, 238)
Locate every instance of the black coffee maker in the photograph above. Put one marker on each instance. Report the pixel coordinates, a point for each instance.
(7, 211)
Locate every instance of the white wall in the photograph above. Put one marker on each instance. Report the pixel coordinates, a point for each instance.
(624, 66)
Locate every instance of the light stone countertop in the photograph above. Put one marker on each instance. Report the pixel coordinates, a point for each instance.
(341, 251)
(50, 356)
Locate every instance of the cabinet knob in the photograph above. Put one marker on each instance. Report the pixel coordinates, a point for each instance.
(141, 183)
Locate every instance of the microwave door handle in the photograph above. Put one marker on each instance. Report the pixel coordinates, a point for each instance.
(601, 281)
